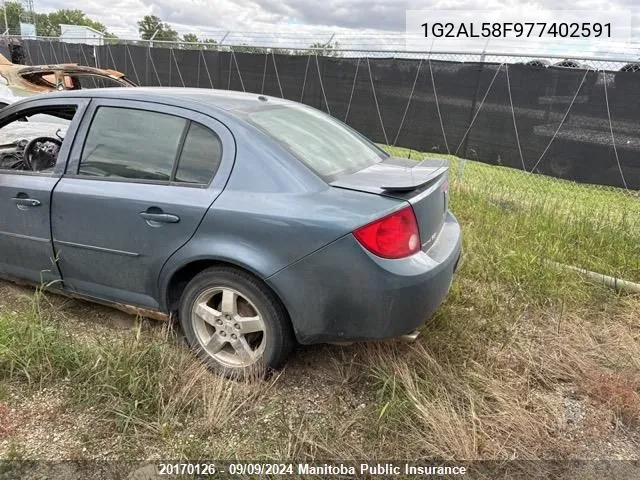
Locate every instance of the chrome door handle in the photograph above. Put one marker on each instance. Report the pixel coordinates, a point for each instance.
(26, 202)
(160, 217)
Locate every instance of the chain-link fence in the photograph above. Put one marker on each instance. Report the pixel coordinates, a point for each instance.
(549, 136)
(575, 120)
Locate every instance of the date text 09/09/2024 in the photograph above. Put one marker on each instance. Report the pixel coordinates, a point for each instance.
(516, 30)
(205, 469)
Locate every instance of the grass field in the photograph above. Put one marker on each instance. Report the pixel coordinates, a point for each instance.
(523, 361)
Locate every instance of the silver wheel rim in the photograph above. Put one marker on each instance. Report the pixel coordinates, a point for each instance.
(229, 327)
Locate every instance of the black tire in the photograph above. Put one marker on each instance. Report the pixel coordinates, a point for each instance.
(277, 341)
(538, 63)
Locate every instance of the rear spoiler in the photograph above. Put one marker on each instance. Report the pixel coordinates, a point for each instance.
(419, 177)
(394, 175)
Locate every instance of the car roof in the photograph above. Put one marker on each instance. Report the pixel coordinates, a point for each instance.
(202, 98)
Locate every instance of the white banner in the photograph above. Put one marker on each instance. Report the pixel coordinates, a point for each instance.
(452, 28)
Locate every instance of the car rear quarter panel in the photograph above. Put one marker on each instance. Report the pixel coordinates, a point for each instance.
(344, 293)
(272, 213)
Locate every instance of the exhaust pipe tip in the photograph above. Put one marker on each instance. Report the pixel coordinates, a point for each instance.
(409, 337)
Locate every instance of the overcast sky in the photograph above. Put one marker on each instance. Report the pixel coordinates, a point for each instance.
(293, 18)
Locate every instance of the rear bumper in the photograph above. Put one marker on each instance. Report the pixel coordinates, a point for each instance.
(344, 293)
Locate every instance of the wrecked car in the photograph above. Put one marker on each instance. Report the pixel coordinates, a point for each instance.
(19, 81)
(257, 222)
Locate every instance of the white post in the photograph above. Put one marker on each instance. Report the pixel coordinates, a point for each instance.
(6, 22)
(153, 36)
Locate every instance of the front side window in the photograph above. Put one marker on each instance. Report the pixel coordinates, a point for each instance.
(132, 144)
(327, 146)
(31, 140)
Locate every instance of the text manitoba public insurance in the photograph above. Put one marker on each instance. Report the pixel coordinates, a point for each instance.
(383, 469)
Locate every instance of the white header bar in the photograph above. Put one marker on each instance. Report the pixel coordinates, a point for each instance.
(452, 28)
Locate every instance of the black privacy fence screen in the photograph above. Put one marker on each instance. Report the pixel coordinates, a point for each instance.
(580, 123)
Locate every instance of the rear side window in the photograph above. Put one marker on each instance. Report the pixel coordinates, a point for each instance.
(324, 144)
(135, 144)
(201, 155)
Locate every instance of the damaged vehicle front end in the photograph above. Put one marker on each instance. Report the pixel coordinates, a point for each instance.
(20, 81)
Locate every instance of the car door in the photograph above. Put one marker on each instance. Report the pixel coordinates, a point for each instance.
(135, 191)
(26, 250)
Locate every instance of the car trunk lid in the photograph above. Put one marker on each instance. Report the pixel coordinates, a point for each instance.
(423, 184)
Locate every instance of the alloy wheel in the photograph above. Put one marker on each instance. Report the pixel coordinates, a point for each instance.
(229, 327)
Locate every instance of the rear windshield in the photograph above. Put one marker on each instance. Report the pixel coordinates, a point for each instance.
(324, 144)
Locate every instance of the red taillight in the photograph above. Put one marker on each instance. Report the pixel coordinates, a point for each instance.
(394, 236)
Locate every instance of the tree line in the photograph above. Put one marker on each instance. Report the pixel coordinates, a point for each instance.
(150, 27)
(47, 24)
